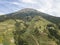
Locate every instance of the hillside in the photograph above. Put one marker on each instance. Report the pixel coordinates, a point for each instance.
(30, 12)
(29, 27)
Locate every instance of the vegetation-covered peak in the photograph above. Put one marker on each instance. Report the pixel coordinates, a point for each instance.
(29, 27)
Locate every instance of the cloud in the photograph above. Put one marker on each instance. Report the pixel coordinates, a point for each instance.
(50, 6)
(29, 1)
(55, 10)
(1, 13)
(46, 6)
(41, 5)
(16, 3)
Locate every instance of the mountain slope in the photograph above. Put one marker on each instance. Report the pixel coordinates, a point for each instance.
(31, 12)
(29, 27)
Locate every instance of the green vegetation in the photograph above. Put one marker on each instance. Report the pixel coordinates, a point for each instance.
(29, 29)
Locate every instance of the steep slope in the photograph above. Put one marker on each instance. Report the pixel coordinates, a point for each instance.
(29, 27)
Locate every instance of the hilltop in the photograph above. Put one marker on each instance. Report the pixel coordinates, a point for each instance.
(30, 12)
(29, 27)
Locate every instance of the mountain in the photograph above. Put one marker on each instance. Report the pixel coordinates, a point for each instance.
(29, 27)
(30, 12)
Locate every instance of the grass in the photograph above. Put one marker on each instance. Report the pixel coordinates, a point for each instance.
(35, 31)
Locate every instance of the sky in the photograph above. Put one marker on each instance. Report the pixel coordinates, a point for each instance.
(51, 7)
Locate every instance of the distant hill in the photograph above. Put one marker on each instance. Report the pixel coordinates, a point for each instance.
(29, 27)
(30, 12)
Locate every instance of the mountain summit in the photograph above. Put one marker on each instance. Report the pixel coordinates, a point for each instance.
(31, 12)
(29, 27)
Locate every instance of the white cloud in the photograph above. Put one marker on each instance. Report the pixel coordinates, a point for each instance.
(15, 3)
(50, 7)
(55, 10)
(41, 10)
(1, 13)
(29, 1)
(46, 6)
